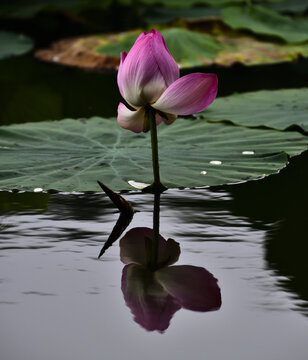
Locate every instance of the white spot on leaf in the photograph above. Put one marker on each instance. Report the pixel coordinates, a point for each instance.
(137, 185)
(215, 162)
(38, 190)
(203, 172)
(248, 152)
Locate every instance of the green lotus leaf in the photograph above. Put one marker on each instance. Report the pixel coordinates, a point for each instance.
(12, 44)
(71, 155)
(189, 48)
(265, 21)
(295, 6)
(280, 109)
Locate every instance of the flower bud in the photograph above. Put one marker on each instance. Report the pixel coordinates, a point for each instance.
(147, 70)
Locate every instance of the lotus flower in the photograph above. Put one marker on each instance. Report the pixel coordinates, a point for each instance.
(155, 296)
(148, 77)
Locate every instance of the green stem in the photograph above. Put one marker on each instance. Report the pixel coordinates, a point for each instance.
(156, 186)
(155, 240)
(154, 143)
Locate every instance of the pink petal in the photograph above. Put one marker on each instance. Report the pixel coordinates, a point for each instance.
(135, 248)
(131, 120)
(141, 36)
(189, 94)
(159, 119)
(167, 65)
(147, 71)
(123, 56)
(168, 119)
(150, 304)
(193, 287)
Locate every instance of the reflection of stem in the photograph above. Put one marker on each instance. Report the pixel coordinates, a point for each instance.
(154, 252)
(249, 4)
(157, 186)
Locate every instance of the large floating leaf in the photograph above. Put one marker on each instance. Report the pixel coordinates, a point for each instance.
(249, 51)
(278, 109)
(12, 44)
(189, 48)
(71, 155)
(264, 21)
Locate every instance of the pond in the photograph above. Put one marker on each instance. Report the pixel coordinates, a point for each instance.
(58, 300)
(245, 243)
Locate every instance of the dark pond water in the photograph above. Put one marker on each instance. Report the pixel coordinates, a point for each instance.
(37, 91)
(59, 301)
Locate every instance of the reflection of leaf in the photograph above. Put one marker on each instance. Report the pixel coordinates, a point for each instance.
(278, 109)
(71, 155)
(20, 201)
(264, 21)
(12, 44)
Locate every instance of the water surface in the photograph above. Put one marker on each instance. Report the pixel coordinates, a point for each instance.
(57, 300)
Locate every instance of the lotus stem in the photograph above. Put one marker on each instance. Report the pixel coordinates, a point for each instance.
(157, 186)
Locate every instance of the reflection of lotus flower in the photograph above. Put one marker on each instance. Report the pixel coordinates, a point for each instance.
(149, 76)
(154, 296)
